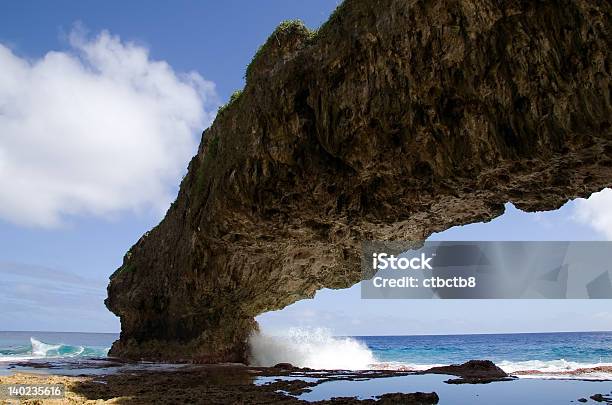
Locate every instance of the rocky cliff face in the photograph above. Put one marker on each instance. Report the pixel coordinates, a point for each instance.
(398, 118)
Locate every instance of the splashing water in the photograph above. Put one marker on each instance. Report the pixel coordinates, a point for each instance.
(42, 349)
(313, 348)
(38, 349)
(583, 355)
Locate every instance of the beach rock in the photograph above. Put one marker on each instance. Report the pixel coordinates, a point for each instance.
(284, 366)
(396, 119)
(415, 398)
(293, 387)
(601, 398)
(583, 400)
(472, 372)
(472, 368)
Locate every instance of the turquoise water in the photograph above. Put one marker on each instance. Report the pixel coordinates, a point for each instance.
(550, 351)
(85, 353)
(562, 355)
(17, 346)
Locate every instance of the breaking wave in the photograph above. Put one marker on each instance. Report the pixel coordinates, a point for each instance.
(312, 348)
(319, 349)
(38, 350)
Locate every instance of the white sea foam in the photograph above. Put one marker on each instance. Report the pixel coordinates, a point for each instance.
(319, 349)
(41, 349)
(552, 369)
(554, 366)
(558, 369)
(38, 350)
(399, 366)
(314, 348)
(13, 359)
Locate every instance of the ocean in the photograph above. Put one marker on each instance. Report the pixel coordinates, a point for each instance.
(22, 346)
(529, 355)
(512, 352)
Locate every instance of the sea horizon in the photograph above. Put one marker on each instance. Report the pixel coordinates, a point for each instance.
(344, 335)
(569, 355)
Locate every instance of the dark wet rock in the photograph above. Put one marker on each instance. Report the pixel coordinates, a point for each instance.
(228, 384)
(395, 120)
(293, 387)
(284, 366)
(415, 398)
(472, 372)
(601, 398)
(477, 380)
(472, 368)
(70, 363)
(583, 400)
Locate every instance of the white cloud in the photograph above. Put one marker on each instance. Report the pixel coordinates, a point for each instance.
(596, 211)
(95, 130)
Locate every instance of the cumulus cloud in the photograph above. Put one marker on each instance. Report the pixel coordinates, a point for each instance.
(95, 130)
(596, 211)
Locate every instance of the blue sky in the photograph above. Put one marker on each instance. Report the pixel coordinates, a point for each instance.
(88, 162)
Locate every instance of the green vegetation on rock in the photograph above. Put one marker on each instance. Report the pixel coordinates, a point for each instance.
(233, 98)
(123, 269)
(285, 28)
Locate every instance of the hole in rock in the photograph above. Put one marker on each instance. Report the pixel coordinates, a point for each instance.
(335, 329)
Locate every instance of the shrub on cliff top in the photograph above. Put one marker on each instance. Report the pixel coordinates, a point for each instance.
(285, 28)
(235, 96)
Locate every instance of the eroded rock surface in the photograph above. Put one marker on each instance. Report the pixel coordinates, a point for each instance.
(395, 120)
(472, 372)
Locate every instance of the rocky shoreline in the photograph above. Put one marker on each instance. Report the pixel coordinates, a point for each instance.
(238, 384)
(210, 384)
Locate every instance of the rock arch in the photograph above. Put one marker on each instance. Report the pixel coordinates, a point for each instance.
(395, 120)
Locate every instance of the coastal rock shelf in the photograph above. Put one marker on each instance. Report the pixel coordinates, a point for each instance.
(394, 120)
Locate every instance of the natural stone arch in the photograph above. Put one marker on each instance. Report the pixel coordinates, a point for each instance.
(395, 120)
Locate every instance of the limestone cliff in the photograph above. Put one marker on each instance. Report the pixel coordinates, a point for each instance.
(396, 119)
